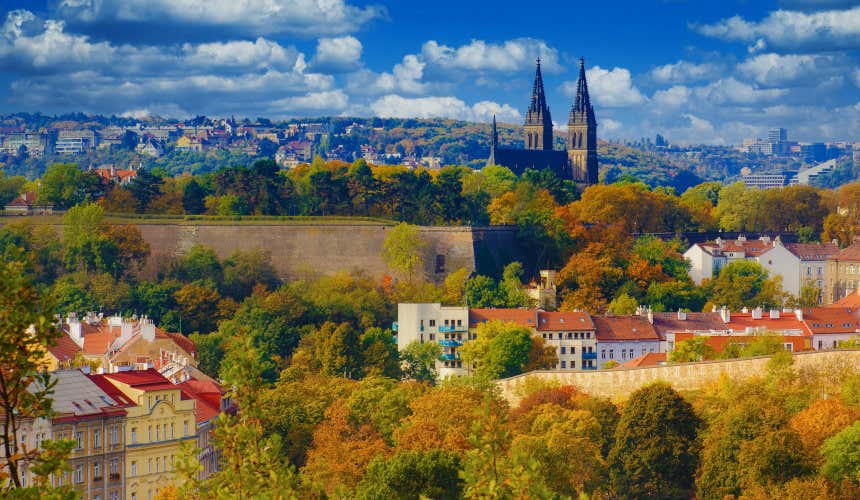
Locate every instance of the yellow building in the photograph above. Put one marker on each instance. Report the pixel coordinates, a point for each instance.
(159, 418)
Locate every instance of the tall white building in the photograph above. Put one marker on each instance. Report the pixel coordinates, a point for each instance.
(448, 326)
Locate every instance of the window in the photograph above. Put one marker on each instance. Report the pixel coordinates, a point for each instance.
(134, 435)
(133, 468)
(563, 365)
(114, 468)
(819, 345)
(459, 322)
(573, 365)
(114, 495)
(440, 264)
(603, 354)
(563, 350)
(623, 353)
(788, 346)
(573, 350)
(97, 435)
(165, 431)
(611, 354)
(133, 496)
(432, 322)
(150, 432)
(97, 471)
(157, 433)
(24, 438)
(114, 435)
(79, 437)
(157, 463)
(432, 336)
(185, 427)
(171, 430)
(79, 474)
(149, 466)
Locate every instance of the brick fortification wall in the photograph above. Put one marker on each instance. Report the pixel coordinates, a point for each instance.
(619, 383)
(301, 249)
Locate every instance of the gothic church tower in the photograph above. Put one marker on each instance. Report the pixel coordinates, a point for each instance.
(538, 126)
(582, 133)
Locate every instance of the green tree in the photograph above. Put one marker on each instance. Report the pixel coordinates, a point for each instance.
(656, 451)
(500, 349)
(511, 286)
(623, 304)
(842, 455)
(26, 330)
(772, 458)
(745, 283)
(692, 350)
(403, 249)
(419, 361)
(193, 197)
(483, 291)
(10, 187)
(413, 474)
(65, 185)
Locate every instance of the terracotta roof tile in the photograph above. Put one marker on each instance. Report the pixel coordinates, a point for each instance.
(850, 300)
(522, 317)
(821, 320)
(813, 251)
(851, 253)
(627, 327)
(65, 348)
(144, 380)
(647, 359)
(665, 322)
(787, 322)
(555, 321)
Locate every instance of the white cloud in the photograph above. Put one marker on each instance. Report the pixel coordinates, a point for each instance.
(734, 92)
(260, 54)
(792, 69)
(611, 88)
(673, 97)
(831, 29)
(510, 56)
(337, 54)
(405, 77)
(609, 126)
(684, 71)
(395, 106)
(246, 17)
(329, 101)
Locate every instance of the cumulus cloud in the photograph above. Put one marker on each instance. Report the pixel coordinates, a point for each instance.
(513, 55)
(405, 77)
(685, 71)
(337, 54)
(242, 17)
(787, 29)
(611, 88)
(329, 101)
(673, 97)
(792, 69)
(734, 92)
(395, 106)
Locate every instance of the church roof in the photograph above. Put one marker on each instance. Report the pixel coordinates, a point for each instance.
(520, 160)
(538, 102)
(582, 102)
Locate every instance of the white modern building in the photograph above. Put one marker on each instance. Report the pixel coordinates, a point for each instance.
(448, 326)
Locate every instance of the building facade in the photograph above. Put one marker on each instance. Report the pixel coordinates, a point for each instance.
(448, 326)
(842, 274)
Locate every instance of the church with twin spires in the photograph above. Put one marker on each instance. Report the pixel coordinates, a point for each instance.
(579, 162)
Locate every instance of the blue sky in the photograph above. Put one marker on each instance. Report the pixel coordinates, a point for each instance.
(696, 71)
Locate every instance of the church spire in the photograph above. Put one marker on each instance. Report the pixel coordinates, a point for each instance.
(495, 138)
(582, 102)
(538, 126)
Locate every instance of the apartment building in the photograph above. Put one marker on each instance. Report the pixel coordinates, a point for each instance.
(842, 274)
(159, 418)
(446, 325)
(622, 338)
(573, 336)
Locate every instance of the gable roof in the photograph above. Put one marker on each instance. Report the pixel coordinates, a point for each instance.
(208, 395)
(812, 251)
(113, 391)
(850, 300)
(666, 322)
(75, 395)
(785, 324)
(851, 253)
(822, 320)
(555, 321)
(143, 380)
(621, 328)
(64, 348)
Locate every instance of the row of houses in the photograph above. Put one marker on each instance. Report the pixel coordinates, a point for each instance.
(583, 341)
(129, 395)
(834, 271)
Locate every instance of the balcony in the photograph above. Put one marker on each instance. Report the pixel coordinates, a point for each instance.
(395, 326)
(450, 343)
(448, 357)
(589, 355)
(451, 329)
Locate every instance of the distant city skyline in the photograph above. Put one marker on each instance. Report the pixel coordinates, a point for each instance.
(695, 72)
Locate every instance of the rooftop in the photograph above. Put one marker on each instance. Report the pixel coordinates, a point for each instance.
(666, 322)
(555, 321)
(76, 395)
(626, 327)
(851, 253)
(647, 359)
(813, 251)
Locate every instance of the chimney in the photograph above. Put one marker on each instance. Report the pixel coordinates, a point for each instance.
(650, 315)
(756, 313)
(741, 239)
(682, 315)
(725, 314)
(147, 329)
(76, 331)
(127, 329)
(114, 321)
(774, 314)
(765, 240)
(799, 313)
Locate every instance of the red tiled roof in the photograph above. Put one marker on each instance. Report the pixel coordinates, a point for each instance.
(851, 253)
(647, 359)
(98, 338)
(144, 380)
(65, 348)
(739, 322)
(627, 327)
(522, 317)
(208, 396)
(720, 342)
(182, 341)
(832, 319)
(555, 321)
(666, 322)
(751, 248)
(850, 300)
(111, 390)
(812, 251)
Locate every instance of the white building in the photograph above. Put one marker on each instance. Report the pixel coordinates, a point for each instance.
(448, 326)
(706, 259)
(798, 263)
(74, 142)
(622, 338)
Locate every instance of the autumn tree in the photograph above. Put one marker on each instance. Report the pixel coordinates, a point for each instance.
(500, 349)
(403, 249)
(745, 283)
(656, 450)
(413, 474)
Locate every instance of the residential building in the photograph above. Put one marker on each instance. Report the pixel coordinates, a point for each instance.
(446, 325)
(842, 274)
(189, 143)
(646, 360)
(87, 414)
(159, 418)
(668, 324)
(26, 204)
(831, 325)
(572, 334)
(210, 400)
(777, 135)
(798, 263)
(34, 144)
(706, 259)
(767, 180)
(622, 338)
(74, 142)
(150, 147)
(118, 175)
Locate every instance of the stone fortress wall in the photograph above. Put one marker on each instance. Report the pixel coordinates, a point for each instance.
(618, 383)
